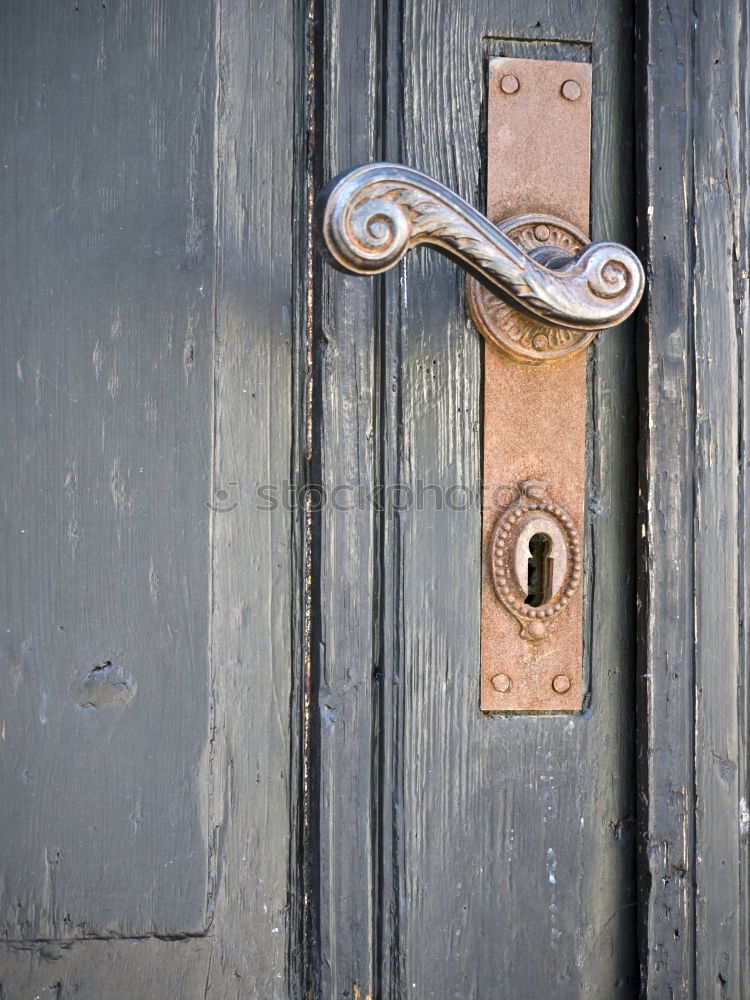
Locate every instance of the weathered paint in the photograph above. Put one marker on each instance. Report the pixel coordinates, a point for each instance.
(693, 711)
(149, 320)
(157, 303)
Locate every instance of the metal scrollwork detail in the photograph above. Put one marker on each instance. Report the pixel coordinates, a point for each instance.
(367, 219)
(519, 336)
(534, 514)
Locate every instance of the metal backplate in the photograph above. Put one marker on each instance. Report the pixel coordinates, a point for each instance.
(538, 149)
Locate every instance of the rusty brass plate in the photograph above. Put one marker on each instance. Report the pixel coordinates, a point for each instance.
(538, 149)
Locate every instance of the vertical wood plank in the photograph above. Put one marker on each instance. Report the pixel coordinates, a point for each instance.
(107, 270)
(666, 612)
(718, 288)
(390, 967)
(741, 256)
(260, 143)
(345, 572)
(693, 587)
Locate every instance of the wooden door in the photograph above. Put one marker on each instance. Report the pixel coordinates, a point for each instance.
(240, 742)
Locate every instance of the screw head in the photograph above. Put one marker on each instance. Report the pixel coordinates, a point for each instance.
(571, 90)
(509, 84)
(541, 233)
(502, 683)
(561, 684)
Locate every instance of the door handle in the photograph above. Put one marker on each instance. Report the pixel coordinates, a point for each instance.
(366, 220)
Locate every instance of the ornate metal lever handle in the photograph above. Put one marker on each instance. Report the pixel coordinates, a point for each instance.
(369, 217)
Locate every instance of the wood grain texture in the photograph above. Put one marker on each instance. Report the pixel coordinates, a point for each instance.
(718, 284)
(742, 223)
(151, 730)
(345, 456)
(118, 969)
(107, 274)
(504, 852)
(694, 590)
(254, 609)
(666, 680)
(150, 288)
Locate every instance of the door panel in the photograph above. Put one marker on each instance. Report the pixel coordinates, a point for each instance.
(693, 157)
(518, 843)
(148, 310)
(505, 846)
(107, 312)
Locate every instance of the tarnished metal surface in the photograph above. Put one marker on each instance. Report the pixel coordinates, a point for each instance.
(367, 219)
(535, 580)
(522, 337)
(538, 148)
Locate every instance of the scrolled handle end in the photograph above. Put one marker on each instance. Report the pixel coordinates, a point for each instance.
(614, 272)
(359, 231)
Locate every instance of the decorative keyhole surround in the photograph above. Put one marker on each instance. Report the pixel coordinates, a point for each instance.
(532, 515)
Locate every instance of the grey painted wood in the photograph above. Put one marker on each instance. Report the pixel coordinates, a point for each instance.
(666, 679)
(345, 573)
(504, 847)
(146, 968)
(694, 590)
(166, 836)
(742, 227)
(151, 310)
(718, 284)
(107, 314)
(253, 592)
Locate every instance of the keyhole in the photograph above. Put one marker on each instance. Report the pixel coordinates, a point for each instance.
(539, 583)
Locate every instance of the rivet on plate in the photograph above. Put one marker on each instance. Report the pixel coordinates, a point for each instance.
(541, 233)
(502, 683)
(509, 84)
(561, 684)
(571, 90)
